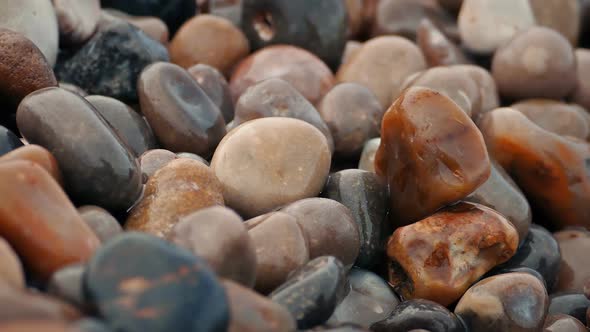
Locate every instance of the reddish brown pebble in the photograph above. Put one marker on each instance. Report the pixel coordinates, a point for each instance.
(437, 48)
(77, 19)
(582, 92)
(29, 305)
(574, 271)
(181, 187)
(303, 70)
(104, 225)
(11, 269)
(439, 257)
(563, 323)
(557, 117)
(152, 160)
(37, 154)
(431, 153)
(559, 15)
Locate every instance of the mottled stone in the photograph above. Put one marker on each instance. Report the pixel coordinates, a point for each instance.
(439, 257)
(422, 148)
(141, 283)
(20, 304)
(66, 284)
(151, 161)
(104, 225)
(419, 315)
(218, 235)
(367, 161)
(183, 118)
(303, 70)
(558, 15)
(557, 117)
(581, 94)
(312, 293)
(37, 155)
(573, 304)
(216, 88)
(574, 271)
(11, 269)
(436, 47)
(179, 188)
(506, 302)
(77, 19)
(8, 141)
(284, 159)
(563, 323)
(98, 169)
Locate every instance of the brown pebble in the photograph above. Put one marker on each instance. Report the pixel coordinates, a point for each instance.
(558, 15)
(437, 48)
(104, 225)
(153, 160)
(37, 154)
(77, 19)
(574, 271)
(557, 117)
(581, 94)
(211, 40)
(563, 323)
(216, 88)
(11, 269)
(36, 326)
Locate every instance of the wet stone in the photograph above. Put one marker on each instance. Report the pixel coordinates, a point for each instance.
(66, 284)
(367, 161)
(419, 314)
(421, 149)
(312, 293)
(230, 252)
(98, 169)
(216, 87)
(563, 323)
(181, 187)
(573, 304)
(141, 283)
(436, 47)
(31, 305)
(8, 141)
(11, 269)
(574, 271)
(183, 118)
(104, 225)
(77, 19)
(507, 302)
(152, 160)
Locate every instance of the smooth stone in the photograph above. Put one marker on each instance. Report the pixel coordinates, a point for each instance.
(110, 62)
(422, 150)
(183, 118)
(437, 48)
(48, 236)
(486, 25)
(129, 125)
(230, 9)
(536, 63)
(354, 11)
(141, 283)
(23, 67)
(573, 304)
(351, 49)
(328, 227)
(298, 67)
(312, 293)
(369, 300)
(251, 312)
(301, 23)
(11, 269)
(574, 271)
(581, 94)
(37, 155)
(488, 91)
(506, 302)
(346, 327)
(557, 117)
(104, 225)
(91, 325)
(152, 26)
(98, 169)
(419, 314)
(558, 15)
(285, 160)
(66, 284)
(277, 98)
(563, 323)
(367, 160)
(381, 65)
(36, 325)
(218, 235)
(216, 87)
(8, 141)
(36, 20)
(280, 246)
(550, 169)
(210, 40)
(515, 269)
(73, 88)
(77, 19)
(353, 115)
(178, 189)
(438, 258)
(35, 306)
(366, 196)
(153, 160)
(500, 193)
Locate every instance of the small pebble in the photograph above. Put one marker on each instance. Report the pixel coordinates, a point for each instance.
(216, 87)
(569, 303)
(77, 19)
(104, 225)
(152, 160)
(418, 315)
(563, 323)
(367, 161)
(574, 270)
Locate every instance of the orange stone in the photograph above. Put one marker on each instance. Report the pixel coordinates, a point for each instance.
(37, 154)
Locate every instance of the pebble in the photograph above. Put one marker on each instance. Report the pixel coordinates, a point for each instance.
(98, 169)
(37, 21)
(366, 196)
(559, 15)
(211, 40)
(563, 323)
(419, 315)
(421, 150)
(381, 65)
(488, 91)
(73, 88)
(141, 283)
(312, 292)
(251, 312)
(354, 10)
(574, 271)
(367, 161)
(346, 327)
(11, 269)
(230, 252)
(77, 19)
(183, 118)
(192, 156)
(91, 325)
(36, 325)
(437, 48)
(31, 305)
(8, 141)
(152, 160)
(439, 257)
(573, 304)
(506, 302)
(276, 98)
(300, 23)
(486, 25)
(581, 94)
(216, 87)
(536, 63)
(298, 67)
(551, 170)
(104, 225)
(38, 155)
(114, 57)
(178, 189)
(369, 300)
(285, 159)
(52, 234)
(152, 26)
(66, 284)
(352, 47)
(353, 115)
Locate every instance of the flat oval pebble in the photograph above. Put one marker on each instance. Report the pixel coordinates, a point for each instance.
(216, 87)
(285, 159)
(37, 155)
(77, 19)
(98, 169)
(569, 303)
(574, 270)
(419, 315)
(141, 283)
(104, 225)
(11, 268)
(181, 187)
(563, 323)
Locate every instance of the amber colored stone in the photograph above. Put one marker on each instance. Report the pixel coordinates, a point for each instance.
(39, 221)
(574, 271)
(298, 67)
(563, 323)
(181, 187)
(30, 305)
(37, 154)
(11, 269)
(211, 40)
(581, 94)
(431, 153)
(439, 257)
(381, 65)
(437, 48)
(551, 170)
(367, 161)
(559, 15)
